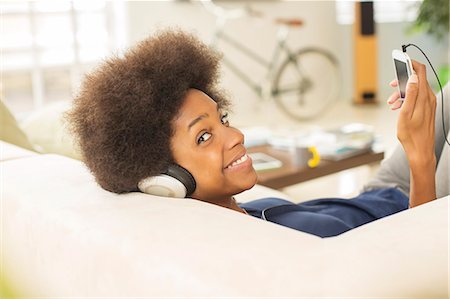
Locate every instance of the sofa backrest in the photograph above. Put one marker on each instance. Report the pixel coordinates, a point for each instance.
(65, 236)
(10, 151)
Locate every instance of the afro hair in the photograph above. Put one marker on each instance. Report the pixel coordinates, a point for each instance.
(122, 117)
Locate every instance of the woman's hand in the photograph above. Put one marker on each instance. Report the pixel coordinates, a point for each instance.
(415, 131)
(415, 127)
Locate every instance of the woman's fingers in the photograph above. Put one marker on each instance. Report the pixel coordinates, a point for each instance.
(412, 91)
(396, 105)
(432, 102)
(418, 95)
(415, 88)
(394, 83)
(422, 97)
(393, 97)
(433, 98)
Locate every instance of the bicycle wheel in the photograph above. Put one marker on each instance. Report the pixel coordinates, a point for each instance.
(307, 83)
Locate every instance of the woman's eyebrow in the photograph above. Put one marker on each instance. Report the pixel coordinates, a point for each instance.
(192, 123)
(196, 120)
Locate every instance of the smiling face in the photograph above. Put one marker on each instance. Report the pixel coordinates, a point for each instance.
(212, 151)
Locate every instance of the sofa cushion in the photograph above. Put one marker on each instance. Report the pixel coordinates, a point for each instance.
(10, 131)
(64, 236)
(47, 129)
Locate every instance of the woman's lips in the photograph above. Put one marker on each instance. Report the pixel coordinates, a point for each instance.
(240, 163)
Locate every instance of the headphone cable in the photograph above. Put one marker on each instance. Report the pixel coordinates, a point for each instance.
(440, 87)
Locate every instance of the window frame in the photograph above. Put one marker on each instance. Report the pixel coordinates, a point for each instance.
(112, 12)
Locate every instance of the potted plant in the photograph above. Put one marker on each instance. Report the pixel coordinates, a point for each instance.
(433, 18)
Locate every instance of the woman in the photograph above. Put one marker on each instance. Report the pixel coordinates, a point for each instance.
(159, 107)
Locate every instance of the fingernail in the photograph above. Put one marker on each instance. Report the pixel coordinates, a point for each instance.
(413, 79)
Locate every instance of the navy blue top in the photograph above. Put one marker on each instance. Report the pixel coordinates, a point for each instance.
(328, 217)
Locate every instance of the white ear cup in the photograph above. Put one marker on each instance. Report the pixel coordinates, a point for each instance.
(162, 185)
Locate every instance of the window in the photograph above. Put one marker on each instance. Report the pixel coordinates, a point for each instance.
(46, 46)
(385, 11)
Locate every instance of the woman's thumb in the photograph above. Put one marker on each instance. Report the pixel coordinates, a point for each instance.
(412, 86)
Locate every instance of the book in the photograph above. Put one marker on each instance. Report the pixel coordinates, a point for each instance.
(336, 144)
(263, 161)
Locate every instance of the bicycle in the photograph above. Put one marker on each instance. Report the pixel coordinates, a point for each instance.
(303, 85)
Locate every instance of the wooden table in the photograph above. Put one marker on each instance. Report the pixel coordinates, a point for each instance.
(290, 174)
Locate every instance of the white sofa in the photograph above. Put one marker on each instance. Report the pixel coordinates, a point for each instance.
(63, 236)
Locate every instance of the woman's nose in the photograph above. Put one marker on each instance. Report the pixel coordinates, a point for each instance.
(233, 137)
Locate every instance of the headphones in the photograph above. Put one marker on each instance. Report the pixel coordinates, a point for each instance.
(176, 181)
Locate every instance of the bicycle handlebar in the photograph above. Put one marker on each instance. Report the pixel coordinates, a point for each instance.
(224, 14)
(227, 13)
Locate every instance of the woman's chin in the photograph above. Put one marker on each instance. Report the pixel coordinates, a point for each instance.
(248, 185)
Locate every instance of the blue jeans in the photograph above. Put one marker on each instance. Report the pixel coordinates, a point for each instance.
(328, 217)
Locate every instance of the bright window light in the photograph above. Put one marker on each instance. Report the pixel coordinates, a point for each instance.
(385, 11)
(38, 38)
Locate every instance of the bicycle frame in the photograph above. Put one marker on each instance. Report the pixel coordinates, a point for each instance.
(270, 66)
(287, 79)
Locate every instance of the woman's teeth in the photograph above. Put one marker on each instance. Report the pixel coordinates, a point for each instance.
(239, 161)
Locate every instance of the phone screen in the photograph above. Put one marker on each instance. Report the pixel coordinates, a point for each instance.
(402, 75)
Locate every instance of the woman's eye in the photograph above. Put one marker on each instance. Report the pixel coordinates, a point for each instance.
(204, 137)
(224, 119)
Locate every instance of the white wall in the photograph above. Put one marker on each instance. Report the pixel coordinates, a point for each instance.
(391, 36)
(320, 29)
